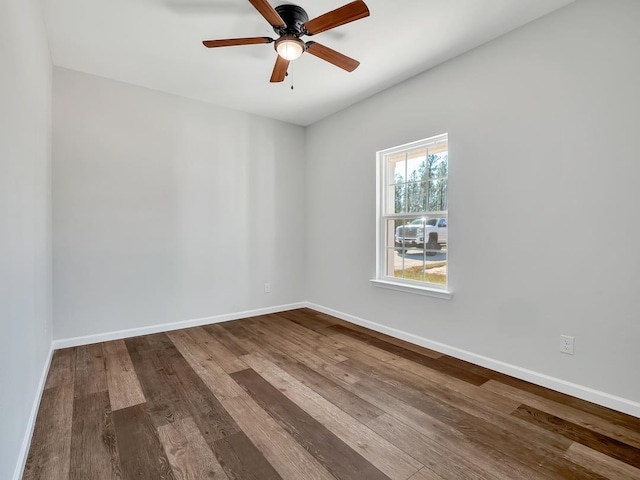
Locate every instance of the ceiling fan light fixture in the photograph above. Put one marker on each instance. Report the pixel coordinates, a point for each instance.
(289, 47)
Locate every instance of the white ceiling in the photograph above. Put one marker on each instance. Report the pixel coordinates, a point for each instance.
(157, 44)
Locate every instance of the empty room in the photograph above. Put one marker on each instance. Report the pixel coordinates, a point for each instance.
(252, 239)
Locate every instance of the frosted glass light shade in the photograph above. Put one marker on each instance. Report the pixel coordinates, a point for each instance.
(290, 48)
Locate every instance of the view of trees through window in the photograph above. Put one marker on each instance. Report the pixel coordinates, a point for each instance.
(426, 187)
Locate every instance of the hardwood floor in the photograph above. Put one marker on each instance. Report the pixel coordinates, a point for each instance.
(302, 395)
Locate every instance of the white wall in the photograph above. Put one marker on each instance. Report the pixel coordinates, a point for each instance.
(543, 127)
(167, 209)
(25, 220)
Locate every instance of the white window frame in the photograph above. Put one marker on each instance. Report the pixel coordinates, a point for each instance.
(382, 197)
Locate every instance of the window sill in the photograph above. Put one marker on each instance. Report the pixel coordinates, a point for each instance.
(415, 289)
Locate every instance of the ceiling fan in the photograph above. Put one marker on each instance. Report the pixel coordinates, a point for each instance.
(291, 22)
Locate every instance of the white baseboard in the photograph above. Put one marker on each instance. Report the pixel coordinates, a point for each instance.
(585, 393)
(167, 327)
(26, 441)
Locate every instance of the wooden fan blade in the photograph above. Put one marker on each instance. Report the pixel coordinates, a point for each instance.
(347, 13)
(331, 56)
(268, 12)
(230, 42)
(279, 70)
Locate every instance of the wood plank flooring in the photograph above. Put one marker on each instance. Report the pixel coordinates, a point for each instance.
(301, 395)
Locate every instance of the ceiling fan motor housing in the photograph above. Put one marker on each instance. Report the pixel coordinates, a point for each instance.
(295, 17)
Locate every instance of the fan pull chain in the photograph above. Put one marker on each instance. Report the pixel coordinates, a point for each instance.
(291, 68)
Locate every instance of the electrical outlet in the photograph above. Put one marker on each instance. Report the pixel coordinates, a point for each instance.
(267, 288)
(566, 344)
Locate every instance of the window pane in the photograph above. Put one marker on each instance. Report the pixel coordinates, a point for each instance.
(417, 197)
(438, 165)
(441, 147)
(397, 168)
(389, 232)
(396, 199)
(416, 156)
(435, 252)
(438, 195)
(416, 169)
(393, 236)
(435, 271)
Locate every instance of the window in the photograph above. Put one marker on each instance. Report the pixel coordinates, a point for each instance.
(413, 215)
